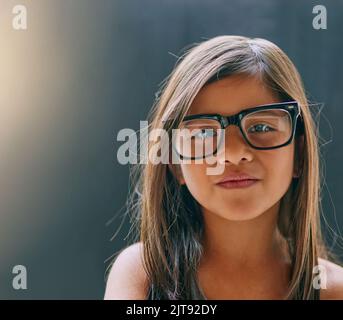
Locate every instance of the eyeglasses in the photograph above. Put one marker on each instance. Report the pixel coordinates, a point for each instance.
(263, 127)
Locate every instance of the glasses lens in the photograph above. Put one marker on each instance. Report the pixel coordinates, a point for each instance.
(197, 138)
(267, 128)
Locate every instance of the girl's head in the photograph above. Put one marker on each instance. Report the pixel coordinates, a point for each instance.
(225, 75)
(274, 168)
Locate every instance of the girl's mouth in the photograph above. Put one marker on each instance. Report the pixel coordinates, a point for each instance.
(238, 183)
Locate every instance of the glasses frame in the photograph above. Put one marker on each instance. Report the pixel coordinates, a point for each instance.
(291, 107)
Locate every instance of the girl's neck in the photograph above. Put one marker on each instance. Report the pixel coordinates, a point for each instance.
(244, 259)
(239, 244)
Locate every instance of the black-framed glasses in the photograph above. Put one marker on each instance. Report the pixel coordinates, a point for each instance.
(263, 127)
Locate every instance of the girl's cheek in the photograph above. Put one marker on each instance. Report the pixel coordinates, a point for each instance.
(195, 175)
(278, 168)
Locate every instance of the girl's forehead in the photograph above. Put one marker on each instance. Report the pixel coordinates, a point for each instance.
(231, 95)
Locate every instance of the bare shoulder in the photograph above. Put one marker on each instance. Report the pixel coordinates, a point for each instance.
(127, 279)
(334, 280)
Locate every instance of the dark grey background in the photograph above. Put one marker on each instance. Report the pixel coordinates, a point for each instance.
(85, 69)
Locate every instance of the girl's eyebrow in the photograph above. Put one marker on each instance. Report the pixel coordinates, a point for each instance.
(241, 110)
(215, 113)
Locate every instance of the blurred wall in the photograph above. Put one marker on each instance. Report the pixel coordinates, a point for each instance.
(85, 69)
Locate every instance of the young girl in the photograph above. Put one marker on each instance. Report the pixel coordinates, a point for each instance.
(253, 230)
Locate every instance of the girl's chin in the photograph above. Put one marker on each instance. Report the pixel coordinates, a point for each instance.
(241, 217)
(238, 215)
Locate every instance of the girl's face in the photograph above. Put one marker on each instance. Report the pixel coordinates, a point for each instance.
(274, 167)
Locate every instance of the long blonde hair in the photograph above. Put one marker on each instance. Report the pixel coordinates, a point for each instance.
(168, 219)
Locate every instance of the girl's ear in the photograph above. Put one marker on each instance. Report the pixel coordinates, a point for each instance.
(177, 172)
(299, 156)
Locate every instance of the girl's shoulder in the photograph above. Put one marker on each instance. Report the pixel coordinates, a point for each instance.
(127, 278)
(332, 288)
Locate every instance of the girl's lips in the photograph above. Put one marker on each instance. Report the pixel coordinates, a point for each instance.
(237, 176)
(238, 183)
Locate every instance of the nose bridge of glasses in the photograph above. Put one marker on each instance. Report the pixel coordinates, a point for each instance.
(234, 121)
(227, 120)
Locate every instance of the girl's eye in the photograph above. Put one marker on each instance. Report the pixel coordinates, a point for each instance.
(260, 128)
(205, 133)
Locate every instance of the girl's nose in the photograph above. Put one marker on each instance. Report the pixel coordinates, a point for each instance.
(234, 148)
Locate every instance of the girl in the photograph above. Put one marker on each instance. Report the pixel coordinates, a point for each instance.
(253, 230)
